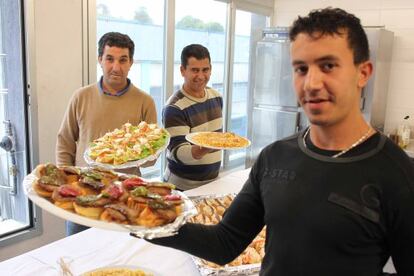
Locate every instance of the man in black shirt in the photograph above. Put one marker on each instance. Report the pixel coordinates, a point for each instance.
(338, 198)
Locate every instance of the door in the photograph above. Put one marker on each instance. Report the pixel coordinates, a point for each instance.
(271, 125)
(274, 83)
(14, 206)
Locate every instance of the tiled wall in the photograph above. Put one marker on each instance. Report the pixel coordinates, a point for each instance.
(398, 17)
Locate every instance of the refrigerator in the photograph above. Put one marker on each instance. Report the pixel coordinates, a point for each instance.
(272, 107)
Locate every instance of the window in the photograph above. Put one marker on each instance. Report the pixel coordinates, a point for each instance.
(201, 22)
(248, 28)
(15, 210)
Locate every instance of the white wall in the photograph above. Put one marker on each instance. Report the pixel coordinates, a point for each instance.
(58, 57)
(398, 17)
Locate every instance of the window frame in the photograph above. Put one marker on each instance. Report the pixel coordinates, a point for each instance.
(235, 6)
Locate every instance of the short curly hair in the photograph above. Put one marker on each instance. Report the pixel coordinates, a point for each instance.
(334, 21)
(118, 40)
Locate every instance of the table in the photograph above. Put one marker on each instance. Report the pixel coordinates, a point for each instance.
(230, 183)
(95, 247)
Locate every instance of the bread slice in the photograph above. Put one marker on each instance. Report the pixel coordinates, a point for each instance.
(67, 205)
(88, 211)
(42, 192)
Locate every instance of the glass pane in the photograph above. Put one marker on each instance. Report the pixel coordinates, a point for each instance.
(14, 206)
(248, 25)
(142, 20)
(3, 88)
(271, 125)
(201, 22)
(274, 75)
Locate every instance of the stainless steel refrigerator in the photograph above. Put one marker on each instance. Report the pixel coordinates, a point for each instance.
(273, 110)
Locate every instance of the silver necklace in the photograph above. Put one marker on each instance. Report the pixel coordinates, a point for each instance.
(358, 142)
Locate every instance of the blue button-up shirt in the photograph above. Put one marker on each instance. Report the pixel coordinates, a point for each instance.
(117, 94)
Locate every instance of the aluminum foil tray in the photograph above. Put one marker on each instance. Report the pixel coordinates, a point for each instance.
(210, 212)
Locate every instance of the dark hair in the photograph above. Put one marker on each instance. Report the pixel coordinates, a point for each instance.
(118, 40)
(334, 21)
(194, 50)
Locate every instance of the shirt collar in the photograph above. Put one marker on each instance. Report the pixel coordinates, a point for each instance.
(199, 100)
(117, 94)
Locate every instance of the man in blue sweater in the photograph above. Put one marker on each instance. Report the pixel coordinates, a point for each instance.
(194, 108)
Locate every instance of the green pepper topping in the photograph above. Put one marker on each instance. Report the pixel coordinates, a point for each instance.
(87, 199)
(49, 180)
(153, 196)
(94, 175)
(140, 191)
(158, 204)
(50, 169)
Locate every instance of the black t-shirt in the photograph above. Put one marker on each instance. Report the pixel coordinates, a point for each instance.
(324, 215)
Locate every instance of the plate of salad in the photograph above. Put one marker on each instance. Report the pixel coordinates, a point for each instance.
(128, 146)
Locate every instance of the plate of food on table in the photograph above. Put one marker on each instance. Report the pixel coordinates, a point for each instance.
(121, 270)
(210, 210)
(102, 198)
(127, 146)
(218, 140)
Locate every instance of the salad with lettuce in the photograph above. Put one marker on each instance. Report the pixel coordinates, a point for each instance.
(129, 143)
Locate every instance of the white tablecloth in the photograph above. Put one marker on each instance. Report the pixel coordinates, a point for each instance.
(230, 183)
(95, 248)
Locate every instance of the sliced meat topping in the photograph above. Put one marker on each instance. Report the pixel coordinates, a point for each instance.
(92, 182)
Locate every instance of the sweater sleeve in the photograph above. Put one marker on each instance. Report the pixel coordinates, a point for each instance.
(149, 112)
(223, 242)
(176, 123)
(68, 135)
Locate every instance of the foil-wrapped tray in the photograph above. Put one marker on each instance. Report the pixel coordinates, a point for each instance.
(170, 229)
(210, 211)
(252, 269)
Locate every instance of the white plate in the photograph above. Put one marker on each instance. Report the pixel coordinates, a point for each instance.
(144, 269)
(189, 138)
(140, 231)
(130, 164)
